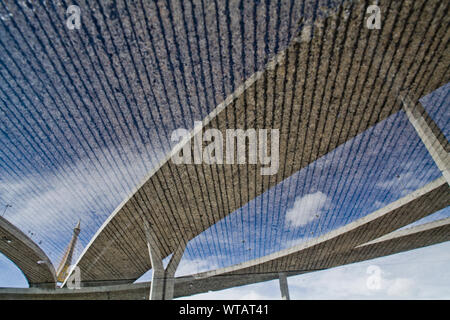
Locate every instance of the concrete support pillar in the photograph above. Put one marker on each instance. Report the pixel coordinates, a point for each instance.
(157, 287)
(163, 281)
(170, 271)
(430, 134)
(284, 286)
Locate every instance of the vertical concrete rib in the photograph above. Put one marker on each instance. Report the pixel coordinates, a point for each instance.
(430, 134)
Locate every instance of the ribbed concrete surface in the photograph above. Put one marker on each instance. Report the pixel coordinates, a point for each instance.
(21, 250)
(324, 92)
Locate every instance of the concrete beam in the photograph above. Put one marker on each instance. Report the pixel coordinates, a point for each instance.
(430, 134)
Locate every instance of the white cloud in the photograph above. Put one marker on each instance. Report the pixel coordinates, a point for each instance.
(294, 242)
(50, 204)
(307, 209)
(192, 266)
(379, 204)
(336, 283)
(405, 179)
(401, 287)
(404, 183)
(409, 180)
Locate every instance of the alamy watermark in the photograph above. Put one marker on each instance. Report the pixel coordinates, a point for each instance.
(74, 280)
(374, 19)
(74, 19)
(239, 146)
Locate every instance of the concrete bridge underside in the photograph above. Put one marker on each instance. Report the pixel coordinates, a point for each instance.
(377, 63)
(178, 211)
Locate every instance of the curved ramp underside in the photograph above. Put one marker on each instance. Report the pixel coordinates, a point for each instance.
(415, 56)
(393, 243)
(27, 256)
(347, 243)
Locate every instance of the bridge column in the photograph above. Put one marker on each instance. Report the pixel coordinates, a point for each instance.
(170, 271)
(163, 281)
(284, 286)
(430, 134)
(157, 287)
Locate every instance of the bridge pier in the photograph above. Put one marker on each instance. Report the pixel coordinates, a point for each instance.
(163, 280)
(284, 288)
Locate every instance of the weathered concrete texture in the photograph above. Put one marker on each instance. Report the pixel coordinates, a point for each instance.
(395, 242)
(320, 94)
(27, 255)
